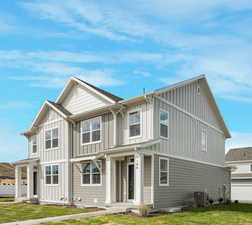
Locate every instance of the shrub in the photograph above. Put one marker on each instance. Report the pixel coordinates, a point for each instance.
(228, 202)
(211, 201)
(191, 204)
(236, 201)
(220, 200)
(144, 210)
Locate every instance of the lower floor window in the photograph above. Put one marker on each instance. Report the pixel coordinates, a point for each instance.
(91, 172)
(163, 171)
(52, 174)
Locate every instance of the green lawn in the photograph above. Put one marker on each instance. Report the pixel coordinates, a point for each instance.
(21, 211)
(7, 199)
(240, 214)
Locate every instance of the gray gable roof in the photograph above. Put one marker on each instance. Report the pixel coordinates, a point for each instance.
(239, 154)
(108, 94)
(60, 108)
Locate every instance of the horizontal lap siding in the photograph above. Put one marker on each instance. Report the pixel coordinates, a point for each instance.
(89, 195)
(185, 178)
(105, 144)
(185, 137)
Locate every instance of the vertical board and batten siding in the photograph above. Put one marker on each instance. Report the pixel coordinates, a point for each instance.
(146, 112)
(57, 193)
(147, 179)
(185, 178)
(88, 195)
(80, 99)
(107, 133)
(198, 104)
(185, 136)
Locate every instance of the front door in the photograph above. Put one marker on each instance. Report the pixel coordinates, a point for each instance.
(131, 181)
(35, 186)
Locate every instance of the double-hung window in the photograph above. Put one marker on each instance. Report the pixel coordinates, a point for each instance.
(163, 171)
(52, 174)
(34, 144)
(164, 123)
(203, 140)
(91, 130)
(91, 173)
(134, 124)
(52, 138)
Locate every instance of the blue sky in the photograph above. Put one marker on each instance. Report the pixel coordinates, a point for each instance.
(123, 47)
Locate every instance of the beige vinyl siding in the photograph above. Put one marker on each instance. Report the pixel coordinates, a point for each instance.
(80, 99)
(87, 195)
(58, 156)
(146, 114)
(185, 137)
(147, 179)
(199, 105)
(185, 178)
(106, 138)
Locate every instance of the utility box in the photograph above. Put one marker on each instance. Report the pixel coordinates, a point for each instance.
(200, 198)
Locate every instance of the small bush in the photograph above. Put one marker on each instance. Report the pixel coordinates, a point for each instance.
(144, 210)
(236, 201)
(228, 202)
(191, 204)
(220, 200)
(211, 201)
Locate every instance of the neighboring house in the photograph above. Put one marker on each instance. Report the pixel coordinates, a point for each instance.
(240, 159)
(90, 147)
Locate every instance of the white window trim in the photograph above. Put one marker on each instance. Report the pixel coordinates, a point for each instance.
(91, 176)
(204, 130)
(31, 144)
(168, 171)
(168, 125)
(51, 165)
(141, 122)
(91, 142)
(50, 129)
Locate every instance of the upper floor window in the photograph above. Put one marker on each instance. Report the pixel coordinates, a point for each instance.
(163, 172)
(164, 123)
(203, 140)
(134, 124)
(91, 130)
(34, 144)
(52, 174)
(52, 138)
(250, 167)
(91, 173)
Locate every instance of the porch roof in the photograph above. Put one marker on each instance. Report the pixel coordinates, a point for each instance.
(26, 161)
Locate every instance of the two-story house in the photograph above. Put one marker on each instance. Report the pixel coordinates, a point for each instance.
(90, 147)
(240, 160)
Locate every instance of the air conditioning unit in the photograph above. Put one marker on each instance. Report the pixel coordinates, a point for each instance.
(200, 198)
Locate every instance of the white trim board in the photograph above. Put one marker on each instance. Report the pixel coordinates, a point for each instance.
(189, 114)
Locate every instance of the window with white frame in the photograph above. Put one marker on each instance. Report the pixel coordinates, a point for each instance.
(250, 167)
(164, 123)
(134, 124)
(91, 173)
(203, 140)
(163, 171)
(52, 174)
(52, 138)
(91, 130)
(34, 144)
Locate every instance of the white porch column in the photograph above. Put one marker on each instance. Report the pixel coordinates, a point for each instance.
(18, 182)
(29, 181)
(109, 180)
(115, 127)
(139, 178)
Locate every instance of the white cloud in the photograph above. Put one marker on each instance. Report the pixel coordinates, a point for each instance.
(239, 140)
(142, 73)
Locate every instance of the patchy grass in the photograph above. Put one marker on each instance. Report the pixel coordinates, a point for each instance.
(21, 211)
(7, 199)
(236, 214)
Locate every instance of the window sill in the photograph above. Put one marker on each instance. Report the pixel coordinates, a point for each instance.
(91, 143)
(90, 185)
(49, 149)
(52, 185)
(164, 138)
(164, 185)
(135, 137)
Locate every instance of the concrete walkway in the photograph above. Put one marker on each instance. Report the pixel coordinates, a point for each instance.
(7, 203)
(67, 217)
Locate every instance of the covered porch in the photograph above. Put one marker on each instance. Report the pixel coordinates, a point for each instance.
(129, 178)
(31, 167)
